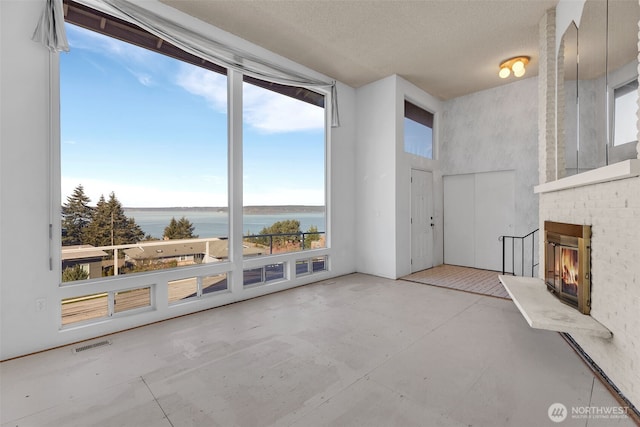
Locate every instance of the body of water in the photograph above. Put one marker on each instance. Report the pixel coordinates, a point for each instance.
(216, 224)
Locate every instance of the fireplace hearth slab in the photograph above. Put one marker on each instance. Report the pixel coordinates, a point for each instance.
(543, 311)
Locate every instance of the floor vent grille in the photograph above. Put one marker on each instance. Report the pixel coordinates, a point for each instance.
(92, 345)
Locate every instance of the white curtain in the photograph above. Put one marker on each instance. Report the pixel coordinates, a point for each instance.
(50, 29)
(198, 45)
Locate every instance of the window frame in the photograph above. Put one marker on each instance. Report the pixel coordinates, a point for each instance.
(234, 265)
(617, 153)
(421, 116)
(631, 82)
(123, 28)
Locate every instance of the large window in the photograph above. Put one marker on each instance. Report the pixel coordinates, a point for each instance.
(145, 169)
(284, 163)
(418, 131)
(143, 153)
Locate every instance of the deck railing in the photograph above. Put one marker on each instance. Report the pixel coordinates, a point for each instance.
(160, 254)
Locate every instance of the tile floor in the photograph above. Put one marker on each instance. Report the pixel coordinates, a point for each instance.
(353, 351)
(466, 279)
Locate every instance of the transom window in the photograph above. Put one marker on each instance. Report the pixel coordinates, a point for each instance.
(418, 131)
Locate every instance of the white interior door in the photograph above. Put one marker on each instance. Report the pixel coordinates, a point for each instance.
(421, 220)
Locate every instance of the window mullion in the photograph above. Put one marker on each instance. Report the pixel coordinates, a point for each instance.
(234, 94)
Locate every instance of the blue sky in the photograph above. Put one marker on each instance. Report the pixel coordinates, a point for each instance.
(418, 139)
(154, 131)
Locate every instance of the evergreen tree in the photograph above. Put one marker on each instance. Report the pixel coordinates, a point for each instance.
(110, 226)
(290, 228)
(98, 232)
(308, 238)
(181, 229)
(76, 216)
(171, 230)
(186, 228)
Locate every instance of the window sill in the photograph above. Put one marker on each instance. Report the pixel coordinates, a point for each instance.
(544, 311)
(625, 169)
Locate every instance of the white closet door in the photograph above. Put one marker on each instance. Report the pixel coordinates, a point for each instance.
(478, 209)
(495, 216)
(459, 220)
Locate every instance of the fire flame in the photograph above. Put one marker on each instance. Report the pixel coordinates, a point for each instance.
(569, 263)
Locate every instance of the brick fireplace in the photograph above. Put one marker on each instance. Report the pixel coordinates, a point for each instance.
(608, 199)
(613, 210)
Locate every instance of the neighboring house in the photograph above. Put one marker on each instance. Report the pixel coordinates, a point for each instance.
(87, 256)
(185, 252)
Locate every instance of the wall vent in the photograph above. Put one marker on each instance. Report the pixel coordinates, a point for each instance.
(92, 345)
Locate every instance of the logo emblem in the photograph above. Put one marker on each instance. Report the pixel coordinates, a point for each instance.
(557, 412)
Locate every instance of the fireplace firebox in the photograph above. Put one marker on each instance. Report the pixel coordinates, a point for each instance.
(568, 263)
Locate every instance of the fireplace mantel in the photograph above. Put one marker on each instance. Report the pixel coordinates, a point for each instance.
(626, 169)
(544, 311)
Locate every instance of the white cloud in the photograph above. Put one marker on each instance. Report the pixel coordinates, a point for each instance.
(207, 84)
(137, 61)
(264, 110)
(80, 38)
(143, 78)
(271, 112)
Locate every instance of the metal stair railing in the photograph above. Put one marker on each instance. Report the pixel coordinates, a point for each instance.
(523, 244)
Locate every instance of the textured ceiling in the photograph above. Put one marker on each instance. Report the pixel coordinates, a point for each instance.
(448, 48)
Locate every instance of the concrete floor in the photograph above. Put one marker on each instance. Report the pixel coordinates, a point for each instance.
(353, 351)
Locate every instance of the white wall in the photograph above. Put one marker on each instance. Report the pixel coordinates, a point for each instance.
(24, 166)
(492, 130)
(25, 194)
(383, 170)
(341, 186)
(496, 130)
(405, 162)
(376, 178)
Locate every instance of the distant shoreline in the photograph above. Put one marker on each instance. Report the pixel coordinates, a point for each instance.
(257, 210)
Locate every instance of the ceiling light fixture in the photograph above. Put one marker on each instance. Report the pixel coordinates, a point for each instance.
(516, 64)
